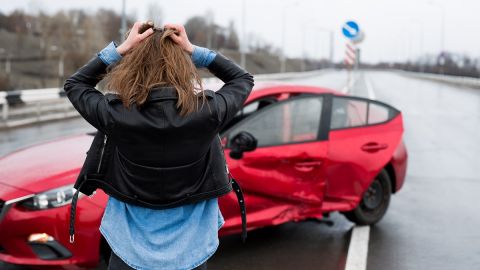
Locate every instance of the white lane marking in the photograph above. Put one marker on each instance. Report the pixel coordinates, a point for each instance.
(368, 83)
(358, 249)
(351, 80)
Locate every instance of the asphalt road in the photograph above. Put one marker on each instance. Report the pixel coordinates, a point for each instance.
(432, 223)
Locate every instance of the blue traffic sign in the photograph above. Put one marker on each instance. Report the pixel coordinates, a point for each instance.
(351, 30)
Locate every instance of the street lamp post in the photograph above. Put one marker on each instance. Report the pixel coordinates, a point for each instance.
(304, 54)
(442, 31)
(210, 27)
(243, 58)
(61, 69)
(283, 64)
(331, 42)
(332, 49)
(421, 41)
(442, 24)
(61, 65)
(8, 66)
(123, 27)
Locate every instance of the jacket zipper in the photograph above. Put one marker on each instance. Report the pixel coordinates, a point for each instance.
(105, 138)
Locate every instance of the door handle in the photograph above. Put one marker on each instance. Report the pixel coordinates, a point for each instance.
(307, 166)
(373, 147)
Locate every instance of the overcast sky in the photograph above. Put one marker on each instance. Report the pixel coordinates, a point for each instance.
(394, 29)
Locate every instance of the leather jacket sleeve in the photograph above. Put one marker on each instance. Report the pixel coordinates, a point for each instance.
(88, 101)
(238, 85)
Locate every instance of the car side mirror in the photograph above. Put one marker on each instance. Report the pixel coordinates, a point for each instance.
(242, 142)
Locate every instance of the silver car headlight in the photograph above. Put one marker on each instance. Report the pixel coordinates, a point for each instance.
(52, 198)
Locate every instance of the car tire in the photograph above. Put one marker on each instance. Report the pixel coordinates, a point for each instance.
(374, 203)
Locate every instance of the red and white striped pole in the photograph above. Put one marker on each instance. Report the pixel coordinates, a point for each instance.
(350, 55)
(350, 62)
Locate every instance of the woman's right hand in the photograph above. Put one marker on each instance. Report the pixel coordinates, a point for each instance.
(180, 37)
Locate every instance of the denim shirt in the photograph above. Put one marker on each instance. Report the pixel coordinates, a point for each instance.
(177, 238)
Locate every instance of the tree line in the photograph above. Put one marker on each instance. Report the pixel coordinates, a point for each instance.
(34, 43)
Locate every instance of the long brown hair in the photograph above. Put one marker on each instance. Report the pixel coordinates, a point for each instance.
(157, 61)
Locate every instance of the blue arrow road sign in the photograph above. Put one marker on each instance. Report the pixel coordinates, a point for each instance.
(351, 30)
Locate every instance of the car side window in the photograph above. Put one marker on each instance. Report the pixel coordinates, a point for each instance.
(249, 109)
(351, 112)
(348, 112)
(378, 113)
(292, 121)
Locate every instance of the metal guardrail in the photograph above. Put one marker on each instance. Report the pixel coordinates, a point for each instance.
(29, 101)
(4, 103)
(456, 80)
(23, 107)
(29, 106)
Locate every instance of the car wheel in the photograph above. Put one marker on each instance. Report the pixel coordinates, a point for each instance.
(374, 203)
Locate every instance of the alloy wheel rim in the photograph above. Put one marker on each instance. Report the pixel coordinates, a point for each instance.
(373, 197)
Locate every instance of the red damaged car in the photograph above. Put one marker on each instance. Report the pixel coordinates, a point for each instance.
(305, 152)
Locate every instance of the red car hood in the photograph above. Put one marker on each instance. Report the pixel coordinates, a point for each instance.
(10, 193)
(45, 166)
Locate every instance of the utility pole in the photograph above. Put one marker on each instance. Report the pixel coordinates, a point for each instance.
(442, 33)
(8, 65)
(331, 37)
(243, 60)
(304, 55)
(283, 60)
(123, 28)
(210, 25)
(332, 49)
(61, 69)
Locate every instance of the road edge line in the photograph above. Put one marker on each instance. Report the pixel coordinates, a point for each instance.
(358, 248)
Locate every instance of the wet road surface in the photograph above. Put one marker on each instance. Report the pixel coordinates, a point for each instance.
(432, 223)
(20, 137)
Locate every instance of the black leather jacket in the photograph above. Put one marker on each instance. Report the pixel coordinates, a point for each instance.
(150, 155)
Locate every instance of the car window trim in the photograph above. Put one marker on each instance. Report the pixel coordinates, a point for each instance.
(392, 114)
(307, 95)
(265, 98)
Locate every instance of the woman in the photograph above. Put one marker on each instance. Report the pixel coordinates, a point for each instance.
(157, 153)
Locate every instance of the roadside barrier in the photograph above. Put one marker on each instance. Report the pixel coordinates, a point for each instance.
(455, 80)
(22, 107)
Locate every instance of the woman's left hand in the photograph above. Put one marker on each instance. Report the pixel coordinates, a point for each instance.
(133, 39)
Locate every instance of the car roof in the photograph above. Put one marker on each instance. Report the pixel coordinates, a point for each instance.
(267, 88)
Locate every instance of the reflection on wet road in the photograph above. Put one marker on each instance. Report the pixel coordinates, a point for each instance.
(20, 137)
